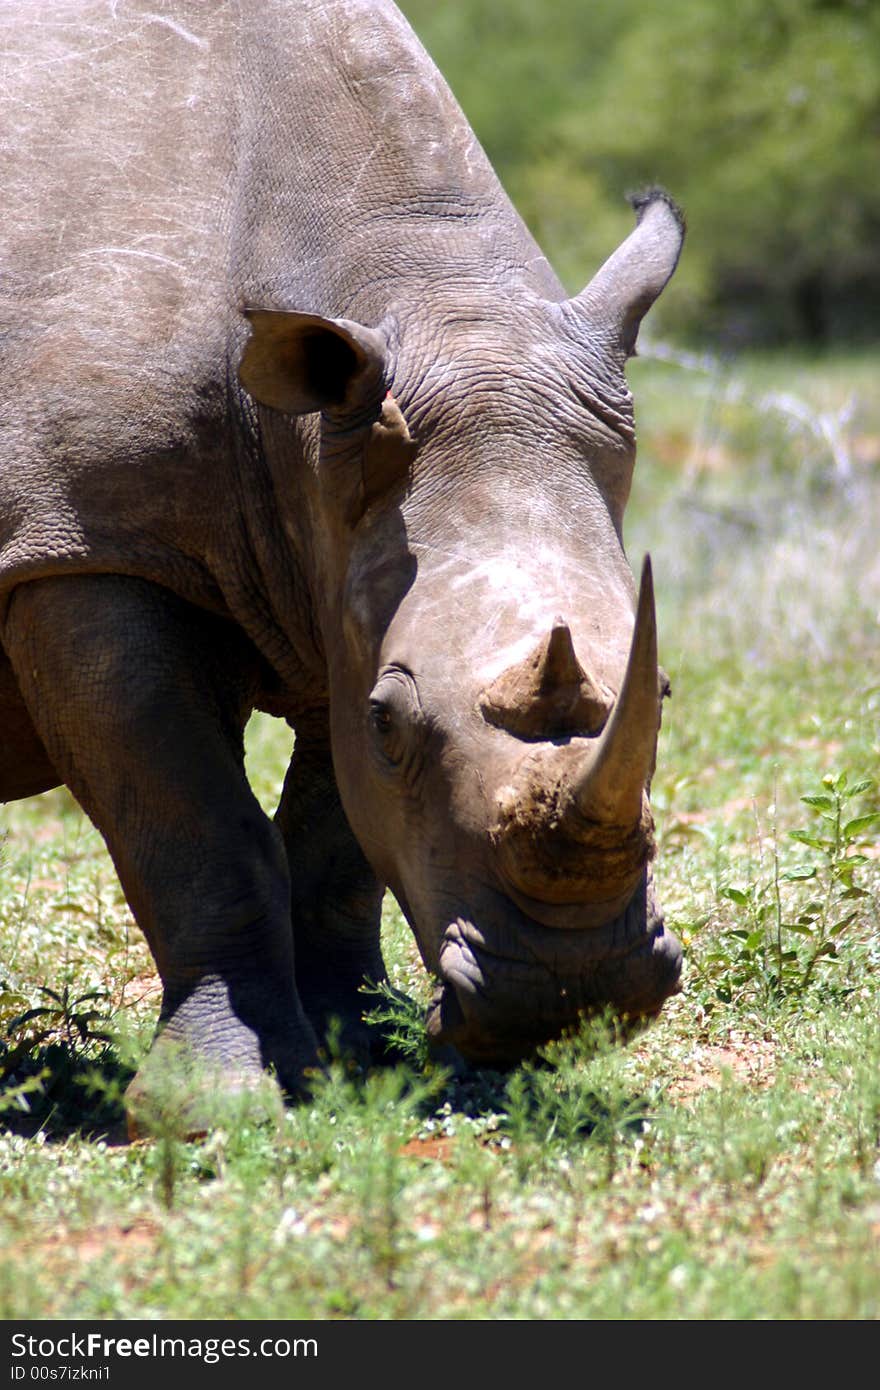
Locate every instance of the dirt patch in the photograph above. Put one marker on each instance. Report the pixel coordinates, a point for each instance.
(438, 1148)
(750, 1061)
(141, 989)
(105, 1242)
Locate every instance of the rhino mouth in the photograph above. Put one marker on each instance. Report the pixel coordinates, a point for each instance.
(506, 990)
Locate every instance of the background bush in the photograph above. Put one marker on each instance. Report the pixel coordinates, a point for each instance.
(762, 118)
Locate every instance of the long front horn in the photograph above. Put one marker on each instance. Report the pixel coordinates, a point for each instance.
(611, 787)
(573, 825)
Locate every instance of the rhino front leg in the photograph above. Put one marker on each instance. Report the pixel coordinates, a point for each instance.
(336, 898)
(140, 701)
(25, 769)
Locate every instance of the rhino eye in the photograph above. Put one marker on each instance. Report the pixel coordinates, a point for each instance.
(381, 718)
(394, 715)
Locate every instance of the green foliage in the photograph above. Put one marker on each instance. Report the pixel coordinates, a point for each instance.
(52, 1053)
(401, 1020)
(762, 118)
(577, 1102)
(837, 850)
(783, 938)
(67, 1016)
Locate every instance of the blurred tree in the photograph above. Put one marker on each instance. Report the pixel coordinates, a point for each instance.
(762, 118)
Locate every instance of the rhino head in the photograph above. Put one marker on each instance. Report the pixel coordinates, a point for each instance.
(492, 670)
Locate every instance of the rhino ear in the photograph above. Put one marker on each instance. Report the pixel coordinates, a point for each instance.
(623, 290)
(300, 363)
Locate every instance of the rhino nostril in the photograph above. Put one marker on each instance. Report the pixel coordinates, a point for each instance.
(549, 695)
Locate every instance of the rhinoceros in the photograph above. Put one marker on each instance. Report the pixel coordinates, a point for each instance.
(298, 418)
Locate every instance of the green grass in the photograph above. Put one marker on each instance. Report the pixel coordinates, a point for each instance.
(725, 1163)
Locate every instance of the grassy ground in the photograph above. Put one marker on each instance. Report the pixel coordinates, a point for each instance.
(724, 1164)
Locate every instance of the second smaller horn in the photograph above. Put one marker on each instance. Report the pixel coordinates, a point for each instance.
(549, 695)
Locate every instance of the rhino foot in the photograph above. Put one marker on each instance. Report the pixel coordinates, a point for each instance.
(220, 1056)
(183, 1098)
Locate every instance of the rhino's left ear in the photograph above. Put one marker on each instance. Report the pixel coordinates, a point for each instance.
(623, 290)
(300, 363)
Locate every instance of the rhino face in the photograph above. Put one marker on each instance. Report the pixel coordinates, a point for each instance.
(493, 677)
(494, 757)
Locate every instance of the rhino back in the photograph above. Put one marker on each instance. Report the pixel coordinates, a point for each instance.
(164, 164)
(369, 158)
(112, 276)
(113, 162)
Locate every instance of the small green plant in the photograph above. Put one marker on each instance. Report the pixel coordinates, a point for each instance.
(49, 1049)
(66, 1017)
(577, 1101)
(401, 1022)
(519, 1125)
(369, 1120)
(17, 1097)
(836, 845)
(785, 935)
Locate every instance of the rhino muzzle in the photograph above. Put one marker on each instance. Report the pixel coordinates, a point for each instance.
(504, 992)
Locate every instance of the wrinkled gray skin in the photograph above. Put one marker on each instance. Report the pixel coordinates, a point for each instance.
(404, 536)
